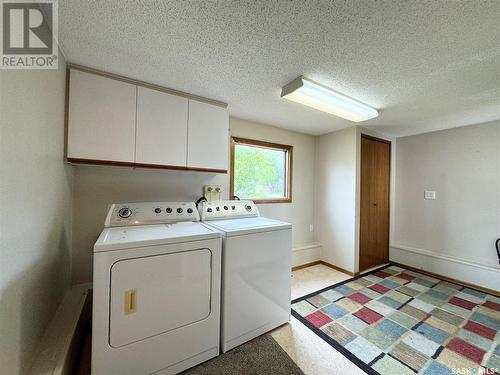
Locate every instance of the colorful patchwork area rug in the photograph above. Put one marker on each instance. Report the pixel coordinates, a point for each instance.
(395, 321)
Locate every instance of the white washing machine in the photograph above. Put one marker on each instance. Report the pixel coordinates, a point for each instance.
(156, 297)
(256, 270)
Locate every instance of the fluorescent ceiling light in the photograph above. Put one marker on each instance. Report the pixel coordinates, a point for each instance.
(312, 94)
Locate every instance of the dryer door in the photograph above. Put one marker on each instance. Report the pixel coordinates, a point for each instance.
(156, 294)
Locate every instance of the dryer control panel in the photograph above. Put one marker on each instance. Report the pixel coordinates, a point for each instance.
(126, 214)
(220, 210)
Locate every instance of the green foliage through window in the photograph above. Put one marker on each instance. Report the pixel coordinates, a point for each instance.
(259, 173)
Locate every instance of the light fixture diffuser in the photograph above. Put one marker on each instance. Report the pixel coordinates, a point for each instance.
(315, 95)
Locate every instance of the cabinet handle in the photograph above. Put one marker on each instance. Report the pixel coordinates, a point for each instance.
(130, 301)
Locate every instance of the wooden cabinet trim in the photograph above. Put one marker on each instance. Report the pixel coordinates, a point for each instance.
(141, 165)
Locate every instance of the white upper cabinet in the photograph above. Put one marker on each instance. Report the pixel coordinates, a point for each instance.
(101, 118)
(208, 136)
(114, 121)
(161, 128)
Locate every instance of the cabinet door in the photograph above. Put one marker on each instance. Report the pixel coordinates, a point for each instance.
(208, 136)
(101, 118)
(161, 128)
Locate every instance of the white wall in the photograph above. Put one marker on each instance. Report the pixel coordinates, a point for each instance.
(97, 187)
(338, 193)
(336, 198)
(35, 201)
(301, 211)
(453, 235)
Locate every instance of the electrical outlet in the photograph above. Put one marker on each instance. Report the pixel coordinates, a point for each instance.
(311, 228)
(212, 192)
(429, 194)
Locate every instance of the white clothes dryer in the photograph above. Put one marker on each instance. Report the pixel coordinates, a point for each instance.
(156, 296)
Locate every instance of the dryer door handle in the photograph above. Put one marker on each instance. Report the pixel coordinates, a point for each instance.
(130, 301)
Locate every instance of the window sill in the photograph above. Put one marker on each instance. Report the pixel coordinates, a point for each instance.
(264, 201)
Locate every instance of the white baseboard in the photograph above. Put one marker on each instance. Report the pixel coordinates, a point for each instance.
(450, 266)
(306, 254)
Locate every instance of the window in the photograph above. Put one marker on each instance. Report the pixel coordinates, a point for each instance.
(261, 171)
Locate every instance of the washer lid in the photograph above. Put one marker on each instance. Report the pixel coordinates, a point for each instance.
(147, 235)
(237, 227)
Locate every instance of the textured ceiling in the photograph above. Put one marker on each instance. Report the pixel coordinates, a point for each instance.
(427, 65)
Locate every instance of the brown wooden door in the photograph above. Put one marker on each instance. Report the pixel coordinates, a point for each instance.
(375, 189)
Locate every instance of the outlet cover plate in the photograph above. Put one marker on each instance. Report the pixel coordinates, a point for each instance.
(429, 194)
(212, 192)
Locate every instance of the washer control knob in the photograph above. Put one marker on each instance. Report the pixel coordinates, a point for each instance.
(233, 207)
(225, 208)
(125, 212)
(157, 210)
(209, 209)
(248, 207)
(179, 210)
(190, 210)
(169, 210)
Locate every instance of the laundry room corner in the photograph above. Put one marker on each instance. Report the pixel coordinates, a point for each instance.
(300, 211)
